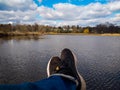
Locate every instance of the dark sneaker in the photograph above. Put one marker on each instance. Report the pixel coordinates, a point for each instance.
(53, 66)
(69, 68)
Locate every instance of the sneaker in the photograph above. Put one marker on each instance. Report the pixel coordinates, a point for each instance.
(53, 66)
(69, 64)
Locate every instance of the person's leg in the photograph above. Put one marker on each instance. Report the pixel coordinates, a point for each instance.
(52, 83)
(56, 82)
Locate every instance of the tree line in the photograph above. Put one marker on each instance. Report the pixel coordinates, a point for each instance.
(99, 29)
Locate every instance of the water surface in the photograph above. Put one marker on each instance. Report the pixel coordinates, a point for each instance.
(25, 60)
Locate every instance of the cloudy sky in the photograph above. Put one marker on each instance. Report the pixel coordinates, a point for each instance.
(60, 12)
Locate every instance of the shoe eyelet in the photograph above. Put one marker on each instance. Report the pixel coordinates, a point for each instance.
(57, 68)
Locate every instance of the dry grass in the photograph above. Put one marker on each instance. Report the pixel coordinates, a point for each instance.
(82, 34)
(19, 33)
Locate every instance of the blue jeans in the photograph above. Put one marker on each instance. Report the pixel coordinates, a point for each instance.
(51, 83)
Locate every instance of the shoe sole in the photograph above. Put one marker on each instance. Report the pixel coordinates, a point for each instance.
(83, 83)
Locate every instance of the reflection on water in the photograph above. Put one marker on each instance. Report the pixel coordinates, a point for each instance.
(25, 60)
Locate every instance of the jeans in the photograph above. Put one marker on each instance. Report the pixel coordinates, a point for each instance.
(50, 83)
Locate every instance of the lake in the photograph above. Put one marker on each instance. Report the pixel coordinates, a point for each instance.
(25, 60)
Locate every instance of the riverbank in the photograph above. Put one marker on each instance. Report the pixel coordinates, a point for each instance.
(83, 34)
(4, 34)
(110, 34)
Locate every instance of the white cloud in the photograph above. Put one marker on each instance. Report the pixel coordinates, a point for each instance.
(114, 6)
(17, 11)
(17, 16)
(13, 2)
(40, 1)
(26, 11)
(116, 19)
(17, 4)
(93, 13)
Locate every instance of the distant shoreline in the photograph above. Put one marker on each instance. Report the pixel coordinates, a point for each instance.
(85, 34)
(7, 34)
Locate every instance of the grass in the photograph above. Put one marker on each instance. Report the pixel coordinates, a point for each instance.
(19, 33)
(90, 34)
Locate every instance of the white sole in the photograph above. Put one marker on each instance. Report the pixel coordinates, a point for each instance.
(48, 67)
(83, 83)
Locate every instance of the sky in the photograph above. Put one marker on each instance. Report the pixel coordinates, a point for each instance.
(60, 12)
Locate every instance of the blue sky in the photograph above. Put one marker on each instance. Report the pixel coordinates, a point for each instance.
(50, 3)
(60, 12)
